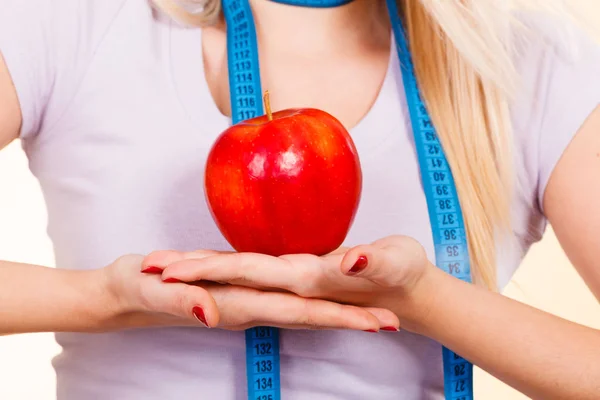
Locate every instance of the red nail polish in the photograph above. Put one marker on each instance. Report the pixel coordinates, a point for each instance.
(171, 280)
(199, 314)
(390, 328)
(371, 330)
(152, 270)
(359, 265)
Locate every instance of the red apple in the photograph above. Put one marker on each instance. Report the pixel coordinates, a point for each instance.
(283, 183)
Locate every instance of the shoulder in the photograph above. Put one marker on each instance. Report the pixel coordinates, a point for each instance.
(59, 15)
(553, 58)
(558, 87)
(49, 45)
(63, 27)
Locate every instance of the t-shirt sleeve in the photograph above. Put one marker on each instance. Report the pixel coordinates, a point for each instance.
(26, 43)
(560, 88)
(47, 46)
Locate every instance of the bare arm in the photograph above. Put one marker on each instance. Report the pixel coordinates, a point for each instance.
(543, 356)
(572, 202)
(41, 299)
(539, 354)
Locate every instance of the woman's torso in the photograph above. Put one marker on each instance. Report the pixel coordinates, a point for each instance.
(120, 156)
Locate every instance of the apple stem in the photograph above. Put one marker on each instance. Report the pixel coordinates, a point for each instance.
(268, 105)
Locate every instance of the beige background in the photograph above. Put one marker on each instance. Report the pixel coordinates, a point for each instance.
(546, 280)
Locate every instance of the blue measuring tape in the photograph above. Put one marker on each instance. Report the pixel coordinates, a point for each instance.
(445, 215)
(262, 343)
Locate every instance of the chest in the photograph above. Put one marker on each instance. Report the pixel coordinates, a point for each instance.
(340, 79)
(133, 146)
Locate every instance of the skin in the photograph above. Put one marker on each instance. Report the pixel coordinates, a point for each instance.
(398, 281)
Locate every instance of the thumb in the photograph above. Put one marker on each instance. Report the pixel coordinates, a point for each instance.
(389, 262)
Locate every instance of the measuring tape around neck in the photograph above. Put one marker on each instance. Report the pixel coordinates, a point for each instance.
(314, 3)
(262, 343)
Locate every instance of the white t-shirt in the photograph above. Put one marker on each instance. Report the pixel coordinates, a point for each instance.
(118, 120)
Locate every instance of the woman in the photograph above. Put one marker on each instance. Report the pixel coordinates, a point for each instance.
(117, 106)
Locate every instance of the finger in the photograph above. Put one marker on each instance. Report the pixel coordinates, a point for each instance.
(293, 273)
(186, 301)
(355, 260)
(388, 320)
(155, 262)
(384, 266)
(243, 306)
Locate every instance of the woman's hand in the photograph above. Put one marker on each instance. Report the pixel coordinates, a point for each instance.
(384, 273)
(145, 300)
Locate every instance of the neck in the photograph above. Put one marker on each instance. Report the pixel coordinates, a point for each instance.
(360, 22)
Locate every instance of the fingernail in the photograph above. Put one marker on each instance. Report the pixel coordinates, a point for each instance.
(390, 328)
(171, 280)
(371, 330)
(359, 265)
(199, 314)
(152, 270)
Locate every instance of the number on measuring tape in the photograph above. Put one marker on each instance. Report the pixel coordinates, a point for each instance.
(242, 58)
(445, 215)
(262, 363)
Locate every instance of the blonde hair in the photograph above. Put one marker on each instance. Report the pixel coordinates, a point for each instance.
(463, 56)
